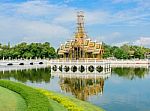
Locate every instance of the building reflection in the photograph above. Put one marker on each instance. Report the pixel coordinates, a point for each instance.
(82, 88)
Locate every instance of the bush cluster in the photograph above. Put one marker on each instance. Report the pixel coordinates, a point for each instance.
(35, 100)
(69, 105)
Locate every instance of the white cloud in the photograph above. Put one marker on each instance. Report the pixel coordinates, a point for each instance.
(97, 17)
(68, 15)
(23, 23)
(129, 1)
(38, 20)
(34, 8)
(121, 43)
(110, 37)
(30, 31)
(144, 41)
(63, 13)
(68, 1)
(130, 17)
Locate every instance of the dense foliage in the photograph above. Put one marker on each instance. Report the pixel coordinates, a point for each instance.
(125, 52)
(24, 50)
(34, 99)
(44, 50)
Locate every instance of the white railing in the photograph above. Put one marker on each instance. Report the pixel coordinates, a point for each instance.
(75, 61)
(131, 61)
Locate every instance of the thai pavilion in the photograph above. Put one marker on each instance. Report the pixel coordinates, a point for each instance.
(81, 47)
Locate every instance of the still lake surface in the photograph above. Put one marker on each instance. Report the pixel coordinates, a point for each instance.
(127, 89)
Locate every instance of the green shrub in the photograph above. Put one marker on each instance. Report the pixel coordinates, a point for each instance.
(69, 105)
(35, 100)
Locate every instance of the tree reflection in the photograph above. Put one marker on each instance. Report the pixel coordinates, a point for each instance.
(33, 75)
(131, 73)
(82, 88)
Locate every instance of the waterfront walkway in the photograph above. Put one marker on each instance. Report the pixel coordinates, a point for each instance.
(52, 61)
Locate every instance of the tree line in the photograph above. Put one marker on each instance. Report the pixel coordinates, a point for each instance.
(27, 51)
(125, 51)
(45, 50)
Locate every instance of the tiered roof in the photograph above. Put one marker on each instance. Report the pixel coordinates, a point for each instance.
(81, 40)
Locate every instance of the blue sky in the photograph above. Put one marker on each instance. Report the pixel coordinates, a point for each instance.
(115, 22)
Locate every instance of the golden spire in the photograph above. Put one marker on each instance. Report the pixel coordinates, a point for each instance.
(80, 25)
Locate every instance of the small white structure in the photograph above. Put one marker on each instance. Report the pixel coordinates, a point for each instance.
(80, 66)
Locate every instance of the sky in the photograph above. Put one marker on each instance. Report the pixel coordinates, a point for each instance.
(115, 22)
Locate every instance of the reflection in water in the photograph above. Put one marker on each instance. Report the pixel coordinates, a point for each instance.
(120, 94)
(32, 75)
(82, 88)
(131, 73)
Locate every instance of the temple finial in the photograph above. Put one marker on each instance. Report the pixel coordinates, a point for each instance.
(80, 25)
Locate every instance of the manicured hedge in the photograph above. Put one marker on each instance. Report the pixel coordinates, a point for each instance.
(35, 100)
(69, 105)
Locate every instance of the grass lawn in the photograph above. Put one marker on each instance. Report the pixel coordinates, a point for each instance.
(55, 106)
(11, 101)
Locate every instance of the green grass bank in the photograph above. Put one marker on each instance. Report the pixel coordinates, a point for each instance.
(35, 100)
(32, 99)
(70, 103)
(11, 101)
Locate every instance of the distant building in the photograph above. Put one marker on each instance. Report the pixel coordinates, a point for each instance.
(81, 47)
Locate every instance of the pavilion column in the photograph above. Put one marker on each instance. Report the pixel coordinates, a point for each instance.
(64, 56)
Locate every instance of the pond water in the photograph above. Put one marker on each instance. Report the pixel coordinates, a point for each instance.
(127, 89)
